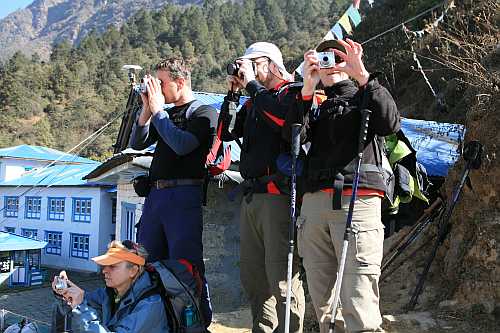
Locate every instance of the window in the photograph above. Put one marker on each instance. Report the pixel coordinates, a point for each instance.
(33, 207)
(11, 230)
(79, 246)
(54, 240)
(30, 233)
(81, 209)
(11, 206)
(56, 208)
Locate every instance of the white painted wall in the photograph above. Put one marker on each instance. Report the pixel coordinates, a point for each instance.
(14, 168)
(98, 229)
(126, 193)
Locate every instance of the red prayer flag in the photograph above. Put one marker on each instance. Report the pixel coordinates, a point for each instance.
(355, 3)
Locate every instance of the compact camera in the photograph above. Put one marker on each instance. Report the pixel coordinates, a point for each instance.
(143, 86)
(61, 283)
(326, 59)
(233, 69)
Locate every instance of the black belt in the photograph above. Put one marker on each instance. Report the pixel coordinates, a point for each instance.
(248, 186)
(165, 183)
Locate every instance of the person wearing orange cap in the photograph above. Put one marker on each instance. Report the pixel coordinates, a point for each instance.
(115, 307)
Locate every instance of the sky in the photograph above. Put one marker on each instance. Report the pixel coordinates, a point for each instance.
(9, 6)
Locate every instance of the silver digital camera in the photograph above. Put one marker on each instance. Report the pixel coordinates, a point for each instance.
(61, 283)
(326, 59)
(143, 86)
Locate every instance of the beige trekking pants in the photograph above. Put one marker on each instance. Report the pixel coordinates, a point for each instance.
(263, 270)
(320, 238)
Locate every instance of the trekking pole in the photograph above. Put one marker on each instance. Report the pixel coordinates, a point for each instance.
(424, 220)
(291, 230)
(363, 132)
(472, 155)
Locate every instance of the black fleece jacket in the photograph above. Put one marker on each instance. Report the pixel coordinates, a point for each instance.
(334, 133)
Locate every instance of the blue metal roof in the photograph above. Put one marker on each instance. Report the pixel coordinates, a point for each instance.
(55, 175)
(11, 242)
(41, 153)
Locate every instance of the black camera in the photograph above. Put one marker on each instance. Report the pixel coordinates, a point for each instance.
(233, 69)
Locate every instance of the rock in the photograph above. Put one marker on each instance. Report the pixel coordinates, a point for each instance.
(421, 320)
(449, 303)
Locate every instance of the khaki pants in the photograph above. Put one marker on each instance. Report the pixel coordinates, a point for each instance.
(263, 253)
(320, 238)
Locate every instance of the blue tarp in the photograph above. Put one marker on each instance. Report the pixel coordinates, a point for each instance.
(437, 144)
(11, 242)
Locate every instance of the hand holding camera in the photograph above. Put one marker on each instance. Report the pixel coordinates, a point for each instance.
(352, 63)
(69, 291)
(310, 72)
(154, 96)
(241, 71)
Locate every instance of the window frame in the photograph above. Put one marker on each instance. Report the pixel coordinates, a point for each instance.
(58, 250)
(82, 217)
(55, 216)
(9, 212)
(24, 230)
(32, 215)
(87, 252)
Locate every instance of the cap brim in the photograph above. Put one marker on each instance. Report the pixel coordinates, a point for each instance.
(106, 260)
(330, 44)
(253, 55)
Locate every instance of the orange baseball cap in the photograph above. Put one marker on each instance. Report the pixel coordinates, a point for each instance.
(116, 255)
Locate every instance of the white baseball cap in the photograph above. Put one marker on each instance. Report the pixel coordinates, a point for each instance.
(268, 50)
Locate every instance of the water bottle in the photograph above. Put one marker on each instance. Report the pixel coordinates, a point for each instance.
(189, 317)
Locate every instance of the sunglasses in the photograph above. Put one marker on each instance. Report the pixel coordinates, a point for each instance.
(130, 245)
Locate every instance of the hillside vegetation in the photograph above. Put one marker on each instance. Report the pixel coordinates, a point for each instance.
(59, 102)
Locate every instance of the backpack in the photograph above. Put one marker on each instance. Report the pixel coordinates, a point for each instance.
(179, 285)
(410, 177)
(218, 158)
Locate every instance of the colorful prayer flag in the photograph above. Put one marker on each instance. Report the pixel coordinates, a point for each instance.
(354, 15)
(344, 22)
(337, 31)
(329, 35)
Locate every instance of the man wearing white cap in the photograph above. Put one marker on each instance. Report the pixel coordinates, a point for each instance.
(265, 207)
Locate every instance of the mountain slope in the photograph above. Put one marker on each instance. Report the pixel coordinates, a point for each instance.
(37, 27)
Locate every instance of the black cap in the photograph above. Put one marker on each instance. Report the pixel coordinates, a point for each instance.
(330, 44)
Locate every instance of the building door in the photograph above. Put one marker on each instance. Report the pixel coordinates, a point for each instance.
(128, 221)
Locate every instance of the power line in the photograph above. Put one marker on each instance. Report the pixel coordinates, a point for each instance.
(403, 23)
(91, 138)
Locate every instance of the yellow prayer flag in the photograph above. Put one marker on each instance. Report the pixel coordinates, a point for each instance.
(344, 22)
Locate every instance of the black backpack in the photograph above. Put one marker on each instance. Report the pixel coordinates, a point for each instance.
(179, 284)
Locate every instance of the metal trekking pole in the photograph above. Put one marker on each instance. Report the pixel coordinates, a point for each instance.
(472, 155)
(291, 230)
(426, 218)
(363, 132)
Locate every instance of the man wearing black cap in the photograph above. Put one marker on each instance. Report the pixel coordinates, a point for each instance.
(264, 215)
(332, 127)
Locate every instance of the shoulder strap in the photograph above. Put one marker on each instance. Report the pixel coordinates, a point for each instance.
(193, 107)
